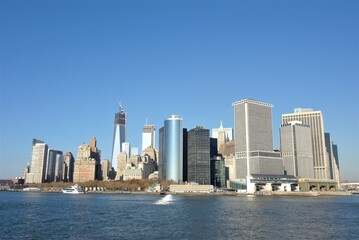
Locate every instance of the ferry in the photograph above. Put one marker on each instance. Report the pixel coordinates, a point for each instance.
(73, 190)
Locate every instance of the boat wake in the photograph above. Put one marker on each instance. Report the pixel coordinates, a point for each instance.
(165, 201)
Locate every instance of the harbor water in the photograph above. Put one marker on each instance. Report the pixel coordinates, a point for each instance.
(30, 215)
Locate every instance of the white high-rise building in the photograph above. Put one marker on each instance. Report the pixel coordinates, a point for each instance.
(148, 136)
(254, 141)
(126, 147)
(38, 162)
(314, 119)
(296, 149)
(119, 135)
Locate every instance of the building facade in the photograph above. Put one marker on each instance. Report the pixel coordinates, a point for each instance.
(171, 149)
(68, 167)
(38, 162)
(148, 136)
(105, 169)
(314, 119)
(85, 165)
(119, 135)
(332, 156)
(219, 176)
(254, 141)
(296, 149)
(228, 132)
(199, 165)
(54, 163)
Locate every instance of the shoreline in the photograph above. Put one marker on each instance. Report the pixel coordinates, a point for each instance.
(261, 193)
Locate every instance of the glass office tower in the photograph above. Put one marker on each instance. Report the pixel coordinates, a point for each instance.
(173, 148)
(119, 135)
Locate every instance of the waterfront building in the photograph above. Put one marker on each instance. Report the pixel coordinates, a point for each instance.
(88, 163)
(161, 159)
(147, 165)
(218, 172)
(137, 167)
(231, 166)
(96, 154)
(132, 173)
(38, 162)
(296, 149)
(314, 119)
(105, 169)
(26, 170)
(254, 141)
(199, 166)
(191, 188)
(119, 135)
(54, 164)
(171, 149)
(68, 167)
(121, 166)
(332, 155)
(336, 164)
(185, 155)
(148, 136)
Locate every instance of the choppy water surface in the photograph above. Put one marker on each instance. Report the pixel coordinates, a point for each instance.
(129, 216)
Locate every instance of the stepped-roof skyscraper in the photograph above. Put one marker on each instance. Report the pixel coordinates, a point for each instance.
(119, 135)
(314, 119)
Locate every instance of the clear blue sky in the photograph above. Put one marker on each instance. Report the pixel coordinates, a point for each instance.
(65, 65)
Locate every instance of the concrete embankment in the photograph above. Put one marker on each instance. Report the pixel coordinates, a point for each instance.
(303, 194)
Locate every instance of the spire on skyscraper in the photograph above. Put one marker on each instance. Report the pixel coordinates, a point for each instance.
(221, 127)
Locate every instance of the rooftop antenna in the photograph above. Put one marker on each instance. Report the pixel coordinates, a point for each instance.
(120, 105)
(146, 120)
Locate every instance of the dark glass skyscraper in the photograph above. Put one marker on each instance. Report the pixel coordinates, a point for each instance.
(199, 168)
(54, 164)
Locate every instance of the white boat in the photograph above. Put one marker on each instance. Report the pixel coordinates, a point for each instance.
(76, 189)
(31, 189)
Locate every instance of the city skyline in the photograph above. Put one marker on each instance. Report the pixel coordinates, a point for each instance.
(190, 58)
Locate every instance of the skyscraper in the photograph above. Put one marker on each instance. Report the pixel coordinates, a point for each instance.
(68, 168)
(38, 162)
(54, 164)
(336, 164)
(227, 133)
(315, 120)
(171, 149)
(148, 136)
(199, 165)
(105, 169)
(119, 135)
(88, 163)
(332, 156)
(296, 149)
(126, 147)
(254, 141)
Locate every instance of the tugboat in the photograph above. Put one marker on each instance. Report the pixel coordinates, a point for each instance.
(76, 189)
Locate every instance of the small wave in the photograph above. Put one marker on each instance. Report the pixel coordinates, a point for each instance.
(168, 199)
